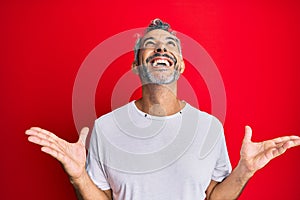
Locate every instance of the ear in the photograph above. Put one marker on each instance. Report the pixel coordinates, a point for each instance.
(134, 67)
(182, 67)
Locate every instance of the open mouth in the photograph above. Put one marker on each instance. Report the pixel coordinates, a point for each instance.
(164, 60)
(160, 62)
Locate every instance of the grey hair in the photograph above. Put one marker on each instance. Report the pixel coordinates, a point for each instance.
(155, 24)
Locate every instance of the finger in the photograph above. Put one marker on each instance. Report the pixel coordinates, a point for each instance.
(55, 154)
(83, 135)
(44, 132)
(270, 153)
(285, 139)
(248, 134)
(278, 151)
(41, 133)
(291, 143)
(45, 143)
(280, 147)
(37, 137)
(283, 146)
(47, 135)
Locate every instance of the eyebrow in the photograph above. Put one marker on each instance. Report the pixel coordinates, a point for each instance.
(167, 38)
(171, 38)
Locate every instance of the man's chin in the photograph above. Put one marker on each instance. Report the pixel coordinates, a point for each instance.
(158, 77)
(161, 81)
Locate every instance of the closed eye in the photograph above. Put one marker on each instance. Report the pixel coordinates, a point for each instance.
(171, 43)
(149, 43)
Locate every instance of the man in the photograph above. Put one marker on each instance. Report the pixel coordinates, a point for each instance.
(158, 147)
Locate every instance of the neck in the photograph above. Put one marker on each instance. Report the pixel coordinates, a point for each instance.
(160, 100)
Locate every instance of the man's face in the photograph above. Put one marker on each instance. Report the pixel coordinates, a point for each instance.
(159, 58)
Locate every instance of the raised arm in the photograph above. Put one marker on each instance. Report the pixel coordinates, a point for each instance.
(254, 156)
(73, 157)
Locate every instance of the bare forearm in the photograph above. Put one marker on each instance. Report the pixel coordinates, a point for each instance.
(232, 186)
(87, 190)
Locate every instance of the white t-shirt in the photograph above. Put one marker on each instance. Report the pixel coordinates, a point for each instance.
(144, 157)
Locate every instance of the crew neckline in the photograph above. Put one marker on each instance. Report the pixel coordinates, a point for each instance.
(148, 116)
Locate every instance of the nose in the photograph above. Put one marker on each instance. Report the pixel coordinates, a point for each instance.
(160, 48)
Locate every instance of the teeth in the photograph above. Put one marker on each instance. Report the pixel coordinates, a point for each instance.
(160, 62)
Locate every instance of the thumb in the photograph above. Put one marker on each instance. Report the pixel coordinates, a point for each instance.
(83, 135)
(248, 134)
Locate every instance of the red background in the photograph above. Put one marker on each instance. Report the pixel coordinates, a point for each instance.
(255, 46)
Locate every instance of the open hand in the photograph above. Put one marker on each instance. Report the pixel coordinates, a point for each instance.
(255, 156)
(71, 155)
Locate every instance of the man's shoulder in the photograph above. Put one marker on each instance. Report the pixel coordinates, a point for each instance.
(203, 115)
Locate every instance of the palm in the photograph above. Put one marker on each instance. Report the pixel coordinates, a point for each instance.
(74, 158)
(71, 155)
(256, 155)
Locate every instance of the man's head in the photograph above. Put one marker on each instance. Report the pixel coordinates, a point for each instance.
(158, 57)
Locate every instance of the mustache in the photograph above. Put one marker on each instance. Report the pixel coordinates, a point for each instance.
(161, 55)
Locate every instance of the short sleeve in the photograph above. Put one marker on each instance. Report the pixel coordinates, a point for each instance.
(223, 167)
(94, 167)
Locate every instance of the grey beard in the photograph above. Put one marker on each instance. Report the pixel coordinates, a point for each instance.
(147, 78)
